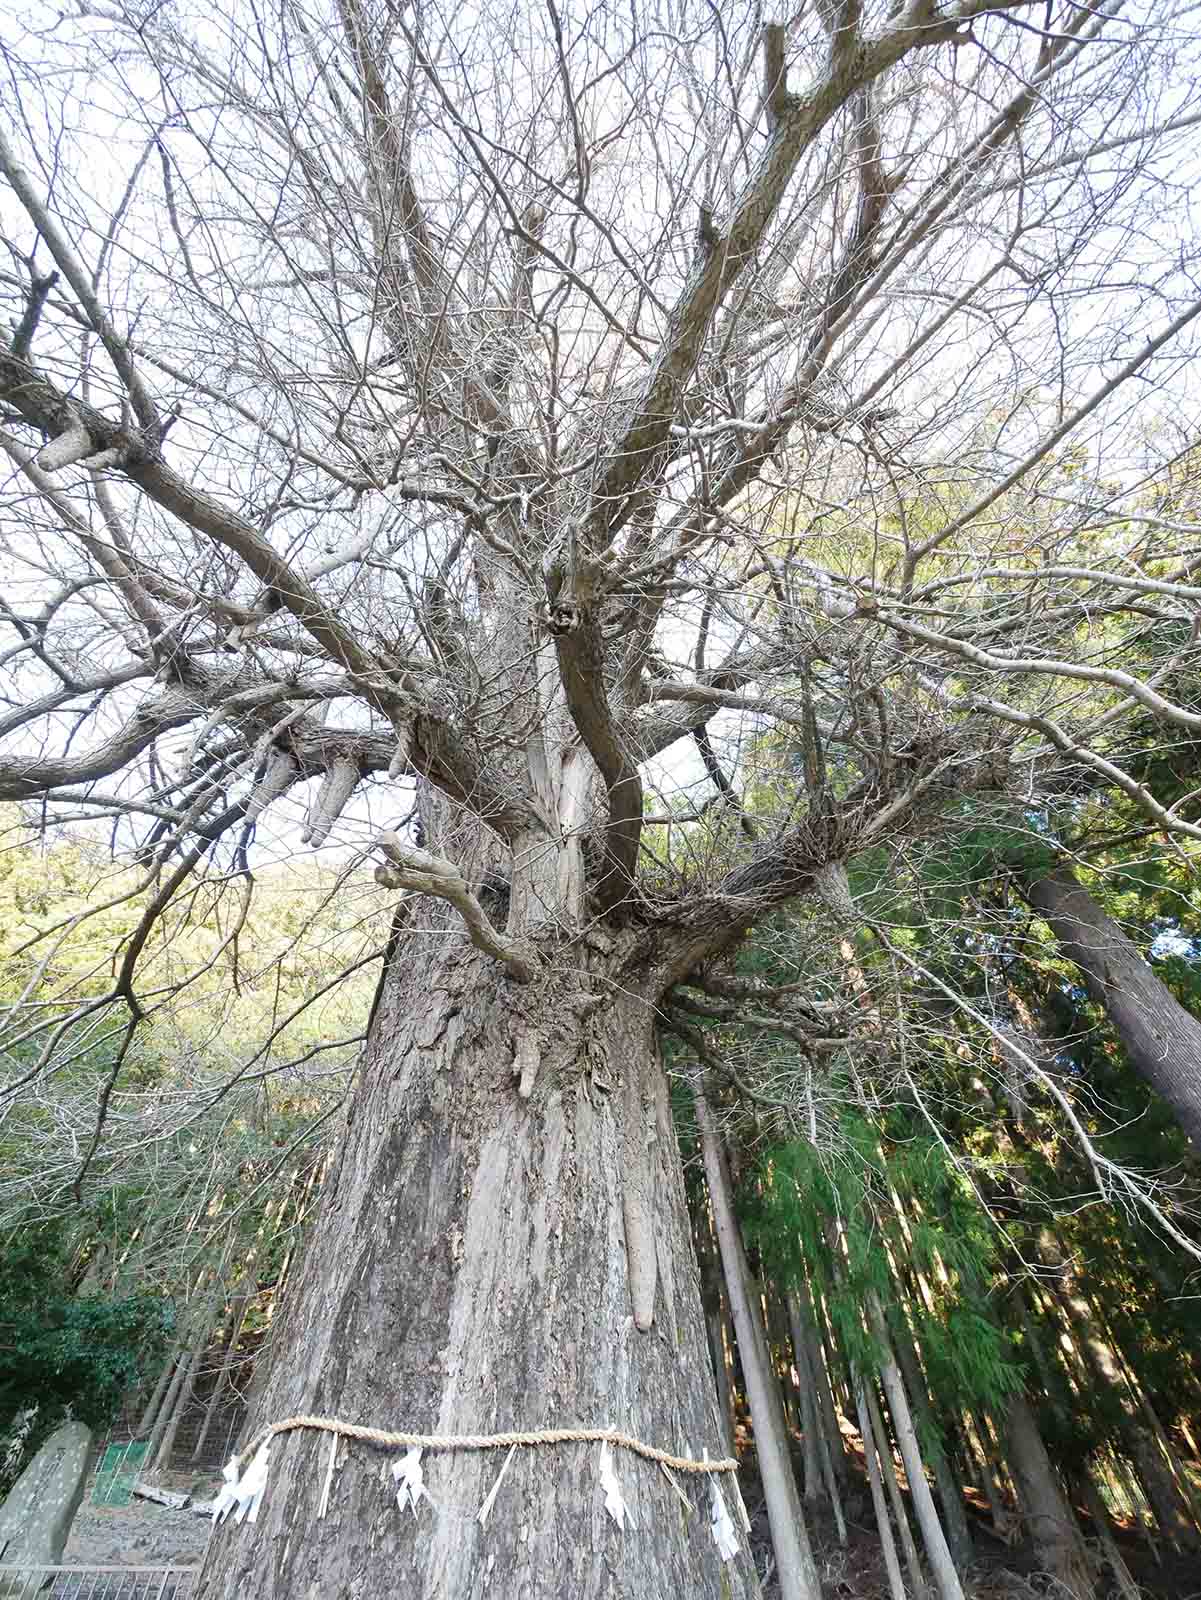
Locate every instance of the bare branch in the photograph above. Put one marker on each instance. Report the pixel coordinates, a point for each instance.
(423, 873)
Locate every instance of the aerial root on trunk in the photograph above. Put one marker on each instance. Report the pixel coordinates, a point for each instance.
(526, 1061)
(417, 870)
(336, 789)
(279, 773)
(642, 1263)
(399, 763)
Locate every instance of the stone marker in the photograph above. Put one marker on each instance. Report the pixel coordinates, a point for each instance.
(36, 1518)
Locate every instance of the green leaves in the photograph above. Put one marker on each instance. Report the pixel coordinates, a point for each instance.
(896, 1221)
(68, 1355)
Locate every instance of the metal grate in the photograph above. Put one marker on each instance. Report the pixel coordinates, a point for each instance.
(118, 1472)
(96, 1583)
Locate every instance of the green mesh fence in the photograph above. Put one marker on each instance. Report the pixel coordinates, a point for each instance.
(117, 1473)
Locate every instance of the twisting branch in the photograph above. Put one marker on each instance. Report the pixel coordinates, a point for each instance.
(697, 1041)
(72, 269)
(423, 873)
(719, 780)
(581, 667)
(399, 205)
(637, 456)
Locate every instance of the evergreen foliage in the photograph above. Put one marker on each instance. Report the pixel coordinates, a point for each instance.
(68, 1355)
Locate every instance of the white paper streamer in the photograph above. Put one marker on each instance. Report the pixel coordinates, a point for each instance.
(410, 1480)
(249, 1491)
(228, 1496)
(742, 1511)
(614, 1501)
(481, 1515)
(329, 1475)
(724, 1536)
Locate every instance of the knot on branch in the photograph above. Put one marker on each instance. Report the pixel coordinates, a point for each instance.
(560, 619)
(98, 449)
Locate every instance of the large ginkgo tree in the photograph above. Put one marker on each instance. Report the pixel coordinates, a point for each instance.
(487, 438)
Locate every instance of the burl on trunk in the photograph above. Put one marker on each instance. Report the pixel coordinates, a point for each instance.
(486, 1261)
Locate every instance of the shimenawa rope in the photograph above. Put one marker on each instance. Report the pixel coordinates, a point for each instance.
(483, 1441)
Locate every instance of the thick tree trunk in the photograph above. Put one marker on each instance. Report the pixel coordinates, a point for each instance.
(484, 1262)
(1161, 1038)
(1048, 1517)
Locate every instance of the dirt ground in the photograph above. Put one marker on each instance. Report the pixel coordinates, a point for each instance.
(141, 1534)
(146, 1534)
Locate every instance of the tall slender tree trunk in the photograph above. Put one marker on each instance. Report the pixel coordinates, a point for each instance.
(781, 1340)
(950, 1492)
(485, 1261)
(888, 1468)
(819, 1452)
(979, 1437)
(189, 1369)
(237, 1316)
(166, 1420)
(717, 1322)
(794, 1559)
(154, 1405)
(1048, 1517)
(811, 1441)
(871, 1455)
(946, 1578)
(1161, 1038)
(822, 1388)
(1169, 1506)
(1127, 1588)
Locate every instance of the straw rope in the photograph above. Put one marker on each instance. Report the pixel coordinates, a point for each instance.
(483, 1441)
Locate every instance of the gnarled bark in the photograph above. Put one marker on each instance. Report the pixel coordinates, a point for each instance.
(469, 1273)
